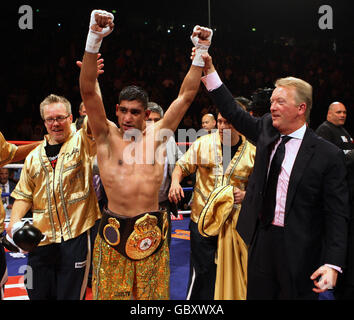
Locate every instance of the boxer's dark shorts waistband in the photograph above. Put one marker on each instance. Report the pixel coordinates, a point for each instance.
(136, 238)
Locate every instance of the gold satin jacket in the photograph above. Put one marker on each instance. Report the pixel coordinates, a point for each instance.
(7, 152)
(220, 214)
(205, 158)
(219, 218)
(64, 202)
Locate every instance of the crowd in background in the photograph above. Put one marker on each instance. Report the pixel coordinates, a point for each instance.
(44, 63)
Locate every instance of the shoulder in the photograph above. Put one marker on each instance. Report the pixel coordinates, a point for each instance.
(207, 139)
(7, 150)
(325, 127)
(36, 151)
(267, 122)
(249, 145)
(33, 158)
(322, 144)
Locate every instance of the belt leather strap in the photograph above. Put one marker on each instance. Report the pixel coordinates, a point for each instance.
(135, 238)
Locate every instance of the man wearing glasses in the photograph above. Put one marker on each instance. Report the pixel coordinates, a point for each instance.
(56, 182)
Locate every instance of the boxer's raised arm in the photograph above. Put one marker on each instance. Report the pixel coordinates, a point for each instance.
(101, 24)
(91, 96)
(201, 38)
(180, 105)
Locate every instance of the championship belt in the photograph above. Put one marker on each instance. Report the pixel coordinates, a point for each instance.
(136, 238)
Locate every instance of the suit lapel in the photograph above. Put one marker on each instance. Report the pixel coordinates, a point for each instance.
(303, 157)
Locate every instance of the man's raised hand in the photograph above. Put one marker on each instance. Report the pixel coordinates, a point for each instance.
(100, 64)
(201, 38)
(101, 25)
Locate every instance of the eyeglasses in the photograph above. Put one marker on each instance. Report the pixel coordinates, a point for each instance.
(60, 119)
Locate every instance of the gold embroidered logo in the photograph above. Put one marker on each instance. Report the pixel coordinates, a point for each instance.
(145, 238)
(111, 232)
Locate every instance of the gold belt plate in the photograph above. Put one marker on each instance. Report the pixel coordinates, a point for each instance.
(145, 238)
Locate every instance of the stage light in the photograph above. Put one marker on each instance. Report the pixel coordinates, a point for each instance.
(254, 29)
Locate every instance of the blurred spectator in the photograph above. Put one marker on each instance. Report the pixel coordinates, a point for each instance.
(38, 132)
(80, 119)
(7, 186)
(208, 122)
(333, 128)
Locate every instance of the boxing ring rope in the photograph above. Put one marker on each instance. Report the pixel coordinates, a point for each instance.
(29, 142)
(13, 166)
(18, 143)
(20, 166)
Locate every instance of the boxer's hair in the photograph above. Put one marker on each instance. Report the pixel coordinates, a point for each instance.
(131, 93)
(53, 98)
(303, 91)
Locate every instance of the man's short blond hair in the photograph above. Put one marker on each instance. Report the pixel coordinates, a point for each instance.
(53, 98)
(303, 91)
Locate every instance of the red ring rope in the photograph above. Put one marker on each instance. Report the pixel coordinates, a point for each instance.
(29, 142)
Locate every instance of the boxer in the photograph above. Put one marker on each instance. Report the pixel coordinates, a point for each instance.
(140, 268)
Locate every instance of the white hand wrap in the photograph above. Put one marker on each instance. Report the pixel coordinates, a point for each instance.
(200, 48)
(94, 38)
